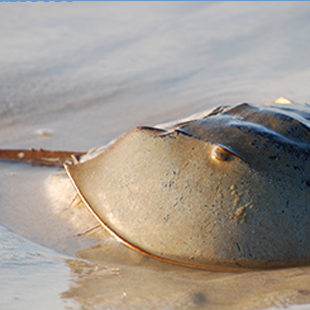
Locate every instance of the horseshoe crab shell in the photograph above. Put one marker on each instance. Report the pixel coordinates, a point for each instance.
(229, 189)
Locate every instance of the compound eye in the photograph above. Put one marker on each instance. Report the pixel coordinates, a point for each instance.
(221, 154)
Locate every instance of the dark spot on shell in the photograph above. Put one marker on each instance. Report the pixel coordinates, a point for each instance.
(199, 299)
(297, 168)
(273, 157)
(304, 292)
(308, 183)
(237, 244)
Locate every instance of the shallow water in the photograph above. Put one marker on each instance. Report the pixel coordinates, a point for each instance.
(76, 75)
(31, 275)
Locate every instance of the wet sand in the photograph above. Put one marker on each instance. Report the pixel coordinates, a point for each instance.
(76, 75)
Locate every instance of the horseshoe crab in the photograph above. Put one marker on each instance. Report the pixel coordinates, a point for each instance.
(229, 188)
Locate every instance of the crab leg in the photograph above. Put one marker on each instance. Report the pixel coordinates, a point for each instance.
(40, 156)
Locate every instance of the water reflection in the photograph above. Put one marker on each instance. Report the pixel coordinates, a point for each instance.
(132, 282)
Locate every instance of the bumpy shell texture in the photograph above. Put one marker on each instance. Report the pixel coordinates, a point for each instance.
(230, 189)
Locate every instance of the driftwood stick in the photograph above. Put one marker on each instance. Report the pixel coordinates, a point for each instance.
(40, 156)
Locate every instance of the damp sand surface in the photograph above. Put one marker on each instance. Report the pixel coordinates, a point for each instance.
(76, 75)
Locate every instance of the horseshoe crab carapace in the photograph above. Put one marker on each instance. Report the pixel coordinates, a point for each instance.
(228, 189)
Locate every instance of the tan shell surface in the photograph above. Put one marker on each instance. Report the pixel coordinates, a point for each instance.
(230, 189)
